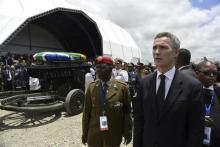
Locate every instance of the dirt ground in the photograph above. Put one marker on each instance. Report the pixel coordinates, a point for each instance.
(40, 130)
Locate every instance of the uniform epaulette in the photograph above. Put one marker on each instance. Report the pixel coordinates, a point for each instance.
(121, 82)
(93, 82)
(92, 85)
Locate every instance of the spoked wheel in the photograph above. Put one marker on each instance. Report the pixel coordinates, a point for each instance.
(74, 101)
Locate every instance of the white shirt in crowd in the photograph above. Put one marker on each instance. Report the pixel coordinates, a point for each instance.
(89, 77)
(120, 74)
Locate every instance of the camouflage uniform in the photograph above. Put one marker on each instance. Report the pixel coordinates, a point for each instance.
(119, 117)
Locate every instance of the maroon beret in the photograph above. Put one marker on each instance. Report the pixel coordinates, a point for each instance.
(104, 59)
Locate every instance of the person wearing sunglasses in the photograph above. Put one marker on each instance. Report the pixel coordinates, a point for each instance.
(207, 73)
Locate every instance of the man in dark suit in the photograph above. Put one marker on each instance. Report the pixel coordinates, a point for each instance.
(169, 110)
(183, 62)
(207, 73)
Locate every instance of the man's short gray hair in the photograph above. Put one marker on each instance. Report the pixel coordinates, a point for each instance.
(175, 42)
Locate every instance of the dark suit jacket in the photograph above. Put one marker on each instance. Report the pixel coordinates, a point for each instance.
(188, 70)
(215, 115)
(181, 120)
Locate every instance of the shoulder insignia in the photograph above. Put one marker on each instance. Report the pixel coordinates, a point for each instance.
(94, 82)
(121, 82)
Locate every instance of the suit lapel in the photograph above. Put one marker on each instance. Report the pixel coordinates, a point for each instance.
(96, 93)
(112, 90)
(152, 93)
(174, 91)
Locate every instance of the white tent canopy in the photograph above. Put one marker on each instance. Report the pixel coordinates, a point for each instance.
(51, 24)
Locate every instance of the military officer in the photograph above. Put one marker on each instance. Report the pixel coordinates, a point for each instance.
(106, 115)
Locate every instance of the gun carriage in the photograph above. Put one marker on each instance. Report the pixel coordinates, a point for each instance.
(62, 80)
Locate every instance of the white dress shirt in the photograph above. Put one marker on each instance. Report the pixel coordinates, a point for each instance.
(168, 80)
(210, 87)
(121, 75)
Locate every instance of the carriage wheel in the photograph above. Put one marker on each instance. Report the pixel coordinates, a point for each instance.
(74, 101)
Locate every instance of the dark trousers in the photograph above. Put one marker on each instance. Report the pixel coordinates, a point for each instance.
(7, 85)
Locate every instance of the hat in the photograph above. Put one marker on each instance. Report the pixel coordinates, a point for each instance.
(104, 59)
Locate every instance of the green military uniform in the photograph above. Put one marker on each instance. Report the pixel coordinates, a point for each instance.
(119, 118)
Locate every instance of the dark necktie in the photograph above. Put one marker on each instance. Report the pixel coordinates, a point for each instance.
(103, 96)
(208, 96)
(161, 92)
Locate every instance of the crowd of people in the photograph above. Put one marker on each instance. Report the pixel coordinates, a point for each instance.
(13, 72)
(129, 73)
(175, 104)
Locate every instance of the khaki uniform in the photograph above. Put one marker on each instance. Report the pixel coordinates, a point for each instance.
(119, 118)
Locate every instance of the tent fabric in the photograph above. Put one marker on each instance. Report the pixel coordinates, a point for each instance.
(16, 14)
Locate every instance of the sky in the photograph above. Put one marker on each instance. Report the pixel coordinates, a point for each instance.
(195, 22)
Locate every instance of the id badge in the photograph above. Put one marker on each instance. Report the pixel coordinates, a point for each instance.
(103, 123)
(207, 135)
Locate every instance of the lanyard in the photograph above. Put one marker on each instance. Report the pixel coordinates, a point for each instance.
(208, 107)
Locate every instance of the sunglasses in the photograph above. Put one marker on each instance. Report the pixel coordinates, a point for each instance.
(209, 73)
